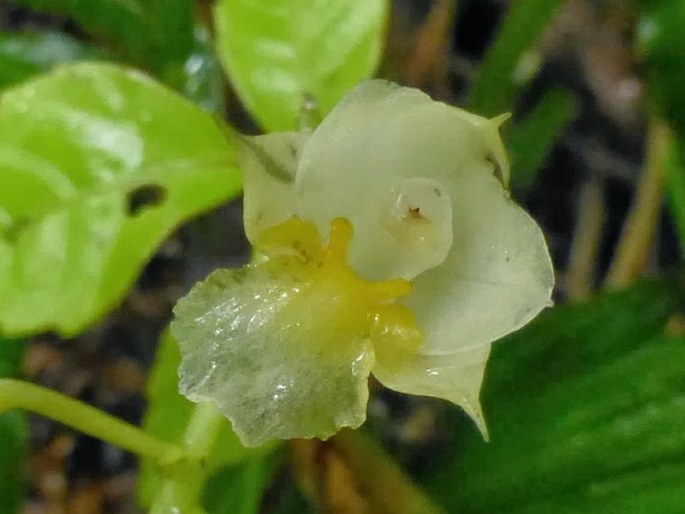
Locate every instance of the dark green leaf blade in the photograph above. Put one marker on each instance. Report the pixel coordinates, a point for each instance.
(585, 412)
(663, 48)
(530, 140)
(675, 185)
(495, 87)
(26, 54)
(155, 34)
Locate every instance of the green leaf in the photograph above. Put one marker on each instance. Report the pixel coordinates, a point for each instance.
(116, 21)
(203, 79)
(675, 184)
(26, 54)
(663, 49)
(157, 34)
(280, 54)
(494, 90)
(240, 488)
(585, 410)
(97, 166)
(168, 414)
(13, 435)
(531, 139)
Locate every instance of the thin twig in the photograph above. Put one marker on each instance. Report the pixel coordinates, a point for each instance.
(431, 49)
(590, 216)
(382, 480)
(640, 225)
(351, 473)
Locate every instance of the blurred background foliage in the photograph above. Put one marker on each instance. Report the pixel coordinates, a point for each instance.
(586, 406)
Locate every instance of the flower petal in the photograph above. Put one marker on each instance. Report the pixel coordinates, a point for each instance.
(496, 278)
(269, 359)
(269, 165)
(382, 146)
(456, 378)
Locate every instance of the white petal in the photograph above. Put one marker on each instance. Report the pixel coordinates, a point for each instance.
(370, 150)
(496, 278)
(269, 165)
(269, 359)
(456, 378)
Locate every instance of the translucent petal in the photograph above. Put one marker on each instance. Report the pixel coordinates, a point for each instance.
(456, 378)
(272, 355)
(269, 165)
(382, 146)
(496, 278)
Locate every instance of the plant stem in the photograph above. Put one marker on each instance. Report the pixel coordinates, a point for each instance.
(585, 245)
(17, 394)
(640, 225)
(430, 52)
(181, 490)
(381, 479)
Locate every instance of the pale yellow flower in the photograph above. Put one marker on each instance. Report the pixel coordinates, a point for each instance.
(427, 262)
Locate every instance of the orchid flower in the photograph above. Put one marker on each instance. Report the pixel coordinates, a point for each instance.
(388, 244)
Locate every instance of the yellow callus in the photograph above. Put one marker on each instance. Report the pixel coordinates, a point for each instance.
(361, 308)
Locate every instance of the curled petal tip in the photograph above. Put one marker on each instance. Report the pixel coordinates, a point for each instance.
(499, 120)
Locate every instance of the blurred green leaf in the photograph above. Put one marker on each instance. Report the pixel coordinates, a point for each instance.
(289, 500)
(167, 416)
(661, 40)
(156, 34)
(240, 488)
(530, 140)
(13, 435)
(585, 410)
(282, 53)
(119, 22)
(99, 164)
(674, 170)
(495, 87)
(203, 78)
(26, 54)
(663, 48)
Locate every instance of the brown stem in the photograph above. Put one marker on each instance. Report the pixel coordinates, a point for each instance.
(586, 238)
(640, 225)
(351, 473)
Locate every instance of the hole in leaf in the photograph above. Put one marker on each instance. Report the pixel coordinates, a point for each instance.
(14, 229)
(144, 197)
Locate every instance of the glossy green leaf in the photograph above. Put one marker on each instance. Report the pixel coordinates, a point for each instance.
(282, 53)
(13, 435)
(585, 411)
(97, 166)
(530, 140)
(495, 87)
(27, 54)
(157, 34)
(202, 80)
(113, 20)
(168, 414)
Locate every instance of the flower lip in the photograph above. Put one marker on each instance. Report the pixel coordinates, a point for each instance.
(266, 307)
